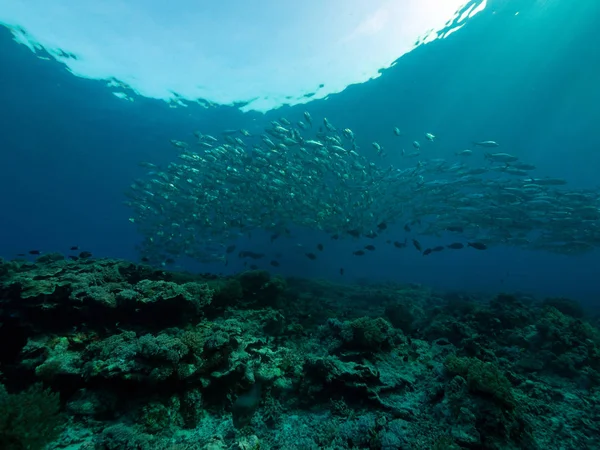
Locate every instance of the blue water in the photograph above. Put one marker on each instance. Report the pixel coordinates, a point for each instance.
(69, 148)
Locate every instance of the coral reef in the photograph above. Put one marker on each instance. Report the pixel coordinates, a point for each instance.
(148, 359)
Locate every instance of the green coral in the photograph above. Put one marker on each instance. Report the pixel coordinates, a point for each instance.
(29, 420)
(59, 360)
(569, 344)
(149, 357)
(260, 288)
(565, 306)
(227, 291)
(445, 443)
(198, 294)
(35, 288)
(159, 418)
(50, 258)
(372, 334)
(483, 378)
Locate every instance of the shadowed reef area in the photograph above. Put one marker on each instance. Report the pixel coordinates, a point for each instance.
(105, 354)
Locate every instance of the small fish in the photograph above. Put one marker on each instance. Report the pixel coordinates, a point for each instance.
(328, 124)
(397, 131)
(427, 251)
(378, 148)
(400, 244)
(464, 153)
(407, 228)
(501, 157)
(417, 244)
(85, 255)
(342, 271)
(513, 171)
(313, 144)
(252, 255)
(547, 181)
(456, 246)
(21, 254)
(439, 248)
(311, 256)
(416, 145)
(353, 233)
(35, 252)
(477, 245)
(455, 229)
(144, 259)
(487, 144)
(73, 257)
(411, 154)
(371, 235)
(274, 263)
(382, 226)
(178, 144)
(274, 236)
(370, 247)
(75, 247)
(335, 237)
(230, 249)
(523, 166)
(430, 137)
(320, 247)
(308, 117)
(358, 253)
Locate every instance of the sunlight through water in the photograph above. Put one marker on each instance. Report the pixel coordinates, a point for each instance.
(260, 56)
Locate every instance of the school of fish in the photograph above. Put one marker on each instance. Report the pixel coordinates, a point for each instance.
(315, 176)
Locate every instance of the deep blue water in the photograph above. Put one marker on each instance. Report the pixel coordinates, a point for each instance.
(69, 148)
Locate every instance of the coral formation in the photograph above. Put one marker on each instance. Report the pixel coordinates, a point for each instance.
(148, 359)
